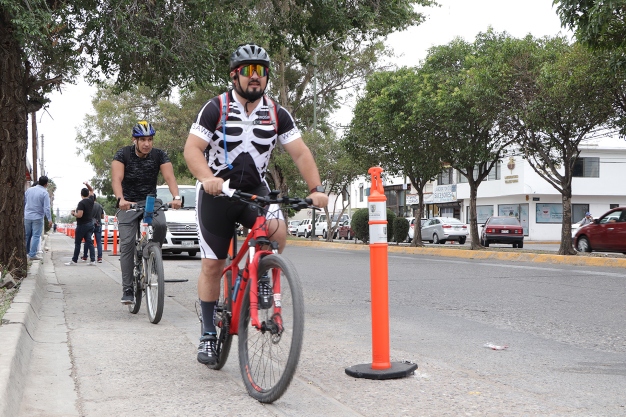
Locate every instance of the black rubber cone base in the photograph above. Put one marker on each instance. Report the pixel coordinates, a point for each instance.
(397, 370)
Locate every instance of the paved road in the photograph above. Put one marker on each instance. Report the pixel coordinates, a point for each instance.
(564, 326)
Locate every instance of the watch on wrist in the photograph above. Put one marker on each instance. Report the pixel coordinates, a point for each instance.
(318, 189)
(176, 198)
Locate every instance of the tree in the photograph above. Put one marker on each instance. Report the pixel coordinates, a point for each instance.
(157, 44)
(47, 43)
(392, 128)
(563, 94)
(600, 24)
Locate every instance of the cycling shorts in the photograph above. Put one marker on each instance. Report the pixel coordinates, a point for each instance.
(216, 217)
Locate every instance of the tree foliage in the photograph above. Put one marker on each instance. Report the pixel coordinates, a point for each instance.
(564, 93)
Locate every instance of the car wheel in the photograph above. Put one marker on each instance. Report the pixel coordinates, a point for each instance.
(520, 245)
(514, 245)
(307, 235)
(192, 252)
(435, 239)
(324, 234)
(408, 239)
(462, 240)
(583, 244)
(485, 243)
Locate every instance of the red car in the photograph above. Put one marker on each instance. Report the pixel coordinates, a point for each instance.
(502, 229)
(344, 230)
(606, 234)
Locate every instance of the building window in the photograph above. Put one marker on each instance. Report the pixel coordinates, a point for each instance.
(445, 177)
(361, 193)
(587, 168)
(494, 174)
(578, 212)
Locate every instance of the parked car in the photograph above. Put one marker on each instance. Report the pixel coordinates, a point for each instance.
(502, 229)
(345, 231)
(606, 234)
(411, 234)
(442, 229)
(321, 225)
(304, 228)
(108, 225)
(181, 235)
(293, 226)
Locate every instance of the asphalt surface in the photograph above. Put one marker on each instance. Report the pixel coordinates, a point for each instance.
(64, 353)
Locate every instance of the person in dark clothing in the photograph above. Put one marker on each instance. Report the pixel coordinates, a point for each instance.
(98, 216)
(84, 227)
(134, 174)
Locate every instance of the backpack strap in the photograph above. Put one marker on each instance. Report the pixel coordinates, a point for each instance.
(224, 103)
(273, 112)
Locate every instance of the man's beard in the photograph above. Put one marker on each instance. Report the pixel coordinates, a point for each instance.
(251, 96)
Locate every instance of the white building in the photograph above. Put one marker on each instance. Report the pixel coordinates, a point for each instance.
(514, 188)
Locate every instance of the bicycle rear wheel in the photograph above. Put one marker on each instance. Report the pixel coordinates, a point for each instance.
(223, 315)
(155, 283)
(268, 358)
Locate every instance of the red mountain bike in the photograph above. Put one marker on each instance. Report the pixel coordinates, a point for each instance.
(263, 304)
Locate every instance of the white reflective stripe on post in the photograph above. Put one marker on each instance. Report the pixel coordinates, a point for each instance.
(377, 210)
(378, 233)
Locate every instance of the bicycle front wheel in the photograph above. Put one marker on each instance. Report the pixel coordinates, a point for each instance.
(268, 357)
(155, 284)
(136, 304)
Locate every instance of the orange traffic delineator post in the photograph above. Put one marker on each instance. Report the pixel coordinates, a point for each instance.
(114, 243)
(381, 367)
(105, 244)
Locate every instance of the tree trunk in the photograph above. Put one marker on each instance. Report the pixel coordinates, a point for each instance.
(566, 247)
(13, 142)
(473, 219)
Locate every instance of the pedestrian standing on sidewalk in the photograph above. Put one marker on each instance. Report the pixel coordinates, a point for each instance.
(97, 215)
(84, 227)
(36, 207)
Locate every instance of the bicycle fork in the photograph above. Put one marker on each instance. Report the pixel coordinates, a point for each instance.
(274, 325)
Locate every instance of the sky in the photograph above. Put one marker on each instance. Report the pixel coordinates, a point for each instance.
(455, 18)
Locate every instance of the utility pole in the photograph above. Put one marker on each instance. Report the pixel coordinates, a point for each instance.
(43, 167)
(33, 118)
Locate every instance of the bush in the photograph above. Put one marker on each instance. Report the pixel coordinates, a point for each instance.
(360, 224)
(401, 229)
(361, 228)
(391, 217)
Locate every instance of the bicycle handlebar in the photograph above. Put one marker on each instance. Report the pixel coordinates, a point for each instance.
(295, 203)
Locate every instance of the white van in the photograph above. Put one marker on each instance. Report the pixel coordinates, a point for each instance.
(321, 225)
(182, 235)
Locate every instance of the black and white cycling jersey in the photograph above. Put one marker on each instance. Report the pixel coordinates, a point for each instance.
(250, 139)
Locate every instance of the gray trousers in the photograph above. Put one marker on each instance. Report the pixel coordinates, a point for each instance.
(128, 222)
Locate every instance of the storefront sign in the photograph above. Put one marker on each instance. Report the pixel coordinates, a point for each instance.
(444, 193)
(510, 179)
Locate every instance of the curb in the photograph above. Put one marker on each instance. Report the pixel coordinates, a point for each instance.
(16, 333)
(579, 260)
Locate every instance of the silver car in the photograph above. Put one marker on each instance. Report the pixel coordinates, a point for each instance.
(442, 229)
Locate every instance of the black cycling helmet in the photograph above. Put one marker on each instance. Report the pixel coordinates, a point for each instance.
(249, 53)
(143, 128)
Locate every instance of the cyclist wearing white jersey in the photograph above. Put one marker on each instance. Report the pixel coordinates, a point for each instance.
(232, 139)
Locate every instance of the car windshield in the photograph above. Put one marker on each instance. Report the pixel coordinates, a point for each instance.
(451, 220)
(188, 194)
(508, 221)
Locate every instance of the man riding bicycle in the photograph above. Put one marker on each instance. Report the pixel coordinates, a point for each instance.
(232, 139)
(134, 173)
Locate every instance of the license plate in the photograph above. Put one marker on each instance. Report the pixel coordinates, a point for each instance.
(187, 242)
(505, 231)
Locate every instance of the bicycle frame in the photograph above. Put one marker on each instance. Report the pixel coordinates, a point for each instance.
(258, 233)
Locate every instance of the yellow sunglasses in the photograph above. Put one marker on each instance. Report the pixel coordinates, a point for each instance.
(248, 70)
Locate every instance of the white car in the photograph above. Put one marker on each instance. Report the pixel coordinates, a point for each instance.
(181, 235)
(304, 228)
(411, 235)
(293, 226)
(321, 225)
(441, 229)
